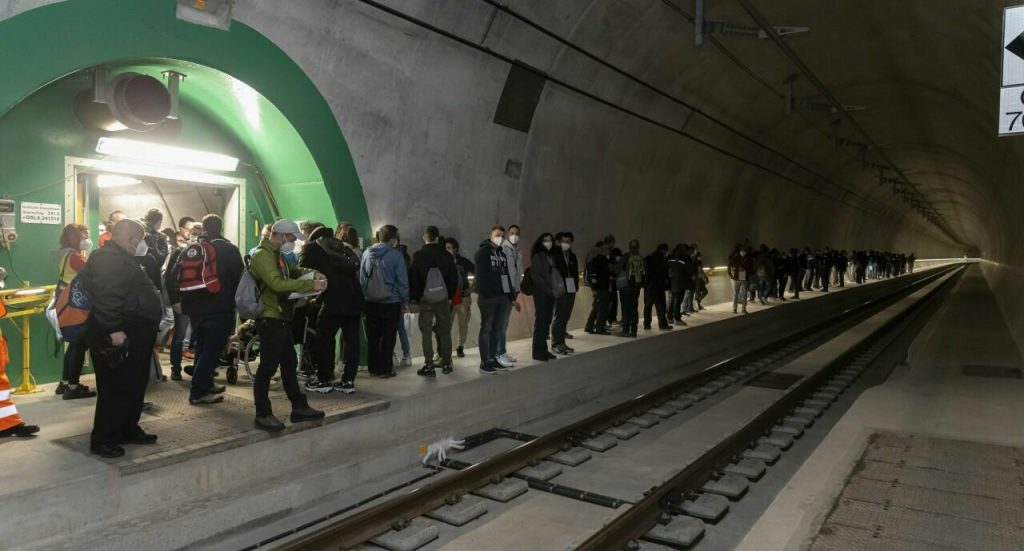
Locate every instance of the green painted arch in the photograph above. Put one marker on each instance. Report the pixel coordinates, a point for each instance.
(48, 43)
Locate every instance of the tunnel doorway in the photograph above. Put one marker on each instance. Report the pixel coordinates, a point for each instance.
(94, 189)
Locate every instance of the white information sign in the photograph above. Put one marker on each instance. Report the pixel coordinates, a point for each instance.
(1013, 46)
(1011, 94)
(40, 213)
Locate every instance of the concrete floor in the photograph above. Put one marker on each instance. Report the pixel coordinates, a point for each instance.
(53, 474)
(929, 396)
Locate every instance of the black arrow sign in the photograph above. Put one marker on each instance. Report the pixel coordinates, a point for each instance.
(1016, 46)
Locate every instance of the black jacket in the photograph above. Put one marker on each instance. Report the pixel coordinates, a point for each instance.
(568, 266)
(657, 271)
(123, 297)
(491, 269)
(465, 269)
(682, 270)
(153, 261)
(339, 262)
(430, 256)
(229, 273)
(599, 273)
(541, 274)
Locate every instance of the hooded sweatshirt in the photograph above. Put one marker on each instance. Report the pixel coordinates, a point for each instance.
(392, 266)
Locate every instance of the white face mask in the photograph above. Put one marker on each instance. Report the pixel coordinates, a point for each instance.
(288, 247)
(547, 245)
(513, 239)
(565, 246)
(85, 244)
(496, 241)
(142, 248)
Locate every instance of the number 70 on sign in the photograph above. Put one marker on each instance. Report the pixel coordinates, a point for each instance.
(1011, 110)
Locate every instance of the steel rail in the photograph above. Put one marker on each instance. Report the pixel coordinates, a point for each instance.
(638, 519)
(360, 527)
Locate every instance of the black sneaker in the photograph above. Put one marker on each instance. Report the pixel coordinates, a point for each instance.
(269, 423)
(189, 370)
(550, 356)
(108, 451)
(460, 353)
(306, 414)
(207, 398)
(345, 387)
(176, 375)
(447, 369)
(488, 369)
(80, 391)
(61, 387)
(560, 349)
(22, 430)
(141, 438)
(427, 371)
(315, 385)
(568, 348)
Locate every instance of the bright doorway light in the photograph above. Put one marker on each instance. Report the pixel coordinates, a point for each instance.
(165, 154)
(116, 180)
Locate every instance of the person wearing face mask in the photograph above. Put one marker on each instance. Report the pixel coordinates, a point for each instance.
(70, 258)
(278, 279)
(385, 282)
(494, 297)
(740, 269)
(515, 272)
(120, 333)
(548, 286)
(657, 285)
(569, 269)
(462, 302)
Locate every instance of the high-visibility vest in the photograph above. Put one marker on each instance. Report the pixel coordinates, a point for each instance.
(9, 417)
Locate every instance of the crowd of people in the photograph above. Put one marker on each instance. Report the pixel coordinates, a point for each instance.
(184, 289)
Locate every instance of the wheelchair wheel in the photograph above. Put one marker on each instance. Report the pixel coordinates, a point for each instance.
(232, 375)
(248, 355)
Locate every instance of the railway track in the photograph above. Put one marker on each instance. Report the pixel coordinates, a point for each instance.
(673, 513)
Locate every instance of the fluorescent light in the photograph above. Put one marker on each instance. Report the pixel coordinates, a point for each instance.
(116, 180)
(165, 154)
(157, 171)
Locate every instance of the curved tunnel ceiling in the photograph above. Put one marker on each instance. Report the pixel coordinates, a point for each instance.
(925, 72)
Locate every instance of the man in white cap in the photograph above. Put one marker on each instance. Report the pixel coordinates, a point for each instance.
(277, 279)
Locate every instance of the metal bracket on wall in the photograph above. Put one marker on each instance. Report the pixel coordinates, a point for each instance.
(703, 26)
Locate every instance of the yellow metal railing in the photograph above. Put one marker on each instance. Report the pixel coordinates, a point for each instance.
(26, 302)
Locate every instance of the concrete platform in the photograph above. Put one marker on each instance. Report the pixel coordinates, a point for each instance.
(930, 399)
(217, 476)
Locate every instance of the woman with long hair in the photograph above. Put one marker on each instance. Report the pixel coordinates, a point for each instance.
(70, 259)
(546, 284)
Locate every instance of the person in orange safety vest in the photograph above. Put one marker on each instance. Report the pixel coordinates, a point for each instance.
(10, 422)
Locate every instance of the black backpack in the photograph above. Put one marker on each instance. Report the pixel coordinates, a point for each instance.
(526, 287)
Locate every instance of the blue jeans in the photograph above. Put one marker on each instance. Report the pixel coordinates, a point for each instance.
(178, 341)
(403, 336)
(492, 311)
(503, 322)
(211, 333)
(629, 301)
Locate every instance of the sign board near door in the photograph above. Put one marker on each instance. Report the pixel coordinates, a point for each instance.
(40, 213)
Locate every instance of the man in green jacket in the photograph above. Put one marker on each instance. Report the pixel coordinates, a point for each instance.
(277, 280)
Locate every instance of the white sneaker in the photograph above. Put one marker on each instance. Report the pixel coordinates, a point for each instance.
(505, 361)
(510, 357)
(406, 361)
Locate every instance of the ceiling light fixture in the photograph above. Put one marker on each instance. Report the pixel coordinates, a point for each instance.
(115, 180)
(165, 154)
(156, 171)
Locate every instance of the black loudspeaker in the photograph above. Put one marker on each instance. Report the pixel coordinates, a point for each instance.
(519, 98)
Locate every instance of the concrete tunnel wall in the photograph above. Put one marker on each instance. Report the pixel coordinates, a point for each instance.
(417, 109)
